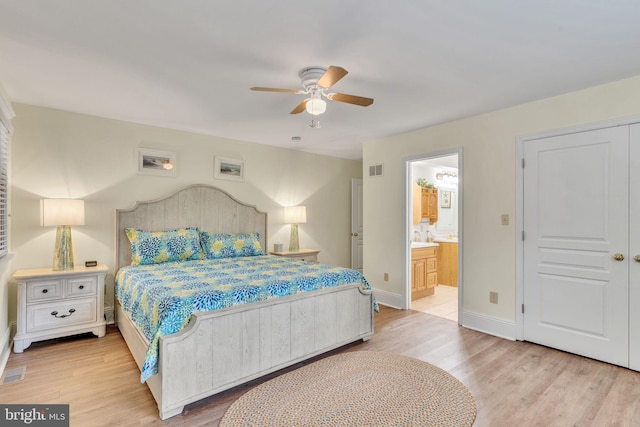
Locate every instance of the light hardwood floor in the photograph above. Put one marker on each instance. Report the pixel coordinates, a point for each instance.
(514, 383)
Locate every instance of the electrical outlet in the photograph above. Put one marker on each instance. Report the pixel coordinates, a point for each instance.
(504, 219)
(493, 297)
(386, 277)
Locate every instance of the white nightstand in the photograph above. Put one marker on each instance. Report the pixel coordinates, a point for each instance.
(309, 255)
(54, 304)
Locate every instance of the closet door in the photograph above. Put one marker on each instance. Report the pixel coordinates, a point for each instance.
(576, 260)
(634, 248)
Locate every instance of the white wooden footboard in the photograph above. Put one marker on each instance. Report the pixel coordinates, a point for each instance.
(224, 348)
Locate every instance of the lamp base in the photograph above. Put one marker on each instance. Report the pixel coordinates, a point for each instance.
(294, 241)
(63, 252)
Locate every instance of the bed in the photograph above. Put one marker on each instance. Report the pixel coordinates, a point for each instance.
(222, 348)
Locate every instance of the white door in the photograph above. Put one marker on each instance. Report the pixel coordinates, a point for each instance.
(576, 221)
(356, 224)
(634, 247)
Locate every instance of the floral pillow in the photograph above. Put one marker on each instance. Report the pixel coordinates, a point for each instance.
(230, 245)
(155, 247)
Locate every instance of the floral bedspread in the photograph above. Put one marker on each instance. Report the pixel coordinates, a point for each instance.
(160, 298)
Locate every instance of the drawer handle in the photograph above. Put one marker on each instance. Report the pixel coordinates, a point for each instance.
(62, 316)
(81, 287)
(44, 291)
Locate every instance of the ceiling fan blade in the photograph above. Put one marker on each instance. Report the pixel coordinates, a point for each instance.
(270, 89)
(332, 76)
(351, 99)
(300, 107)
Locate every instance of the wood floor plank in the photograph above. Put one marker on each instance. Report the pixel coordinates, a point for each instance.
(513, 383)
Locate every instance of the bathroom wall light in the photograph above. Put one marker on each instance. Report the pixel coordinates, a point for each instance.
(444, 175)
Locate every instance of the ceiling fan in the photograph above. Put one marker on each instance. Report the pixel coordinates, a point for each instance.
(316, 80)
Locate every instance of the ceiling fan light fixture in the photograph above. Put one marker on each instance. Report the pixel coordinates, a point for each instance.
(316, 80)
(316, 106)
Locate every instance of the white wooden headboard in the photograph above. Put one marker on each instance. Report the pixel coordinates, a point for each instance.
(199, 205)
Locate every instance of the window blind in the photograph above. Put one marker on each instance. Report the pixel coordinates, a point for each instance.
(4, 177)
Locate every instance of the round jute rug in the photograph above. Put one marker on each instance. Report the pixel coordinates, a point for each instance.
(359, 388)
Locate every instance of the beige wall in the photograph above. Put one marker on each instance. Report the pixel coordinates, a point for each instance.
(488, 142)
(58, 154)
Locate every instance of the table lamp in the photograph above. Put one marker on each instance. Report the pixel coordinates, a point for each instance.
(295, 215)
(62, 213)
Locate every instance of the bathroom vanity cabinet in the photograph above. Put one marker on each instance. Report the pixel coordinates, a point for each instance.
(448, 263)
(424, 271)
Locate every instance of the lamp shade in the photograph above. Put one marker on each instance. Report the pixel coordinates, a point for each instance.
(62, 212)
(316, 106)
(295, 214)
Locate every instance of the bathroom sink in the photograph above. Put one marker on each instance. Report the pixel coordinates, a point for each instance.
(422, 245)
(447, 239)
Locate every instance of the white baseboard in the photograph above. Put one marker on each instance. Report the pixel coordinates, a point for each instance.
(469, 319)
(489, 325)
(5, 345)
(389, 299)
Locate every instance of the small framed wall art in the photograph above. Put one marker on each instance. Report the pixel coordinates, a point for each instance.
(445, 199)
(226, 168)
(155, 162)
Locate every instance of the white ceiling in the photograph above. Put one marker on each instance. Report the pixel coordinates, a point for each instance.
(189, 64)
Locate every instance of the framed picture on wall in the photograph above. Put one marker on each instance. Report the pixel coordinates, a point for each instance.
(155, 162)
(445, 199)
(231, 169)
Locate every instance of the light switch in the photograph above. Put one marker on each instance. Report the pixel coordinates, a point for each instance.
(504, 219)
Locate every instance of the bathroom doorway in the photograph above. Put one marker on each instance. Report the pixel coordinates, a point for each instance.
(434, 234)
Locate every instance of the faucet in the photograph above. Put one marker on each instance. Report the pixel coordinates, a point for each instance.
(429, 236)
(416, 236)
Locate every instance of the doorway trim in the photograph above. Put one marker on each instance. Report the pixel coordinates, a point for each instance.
(520, 142)
(408, 199)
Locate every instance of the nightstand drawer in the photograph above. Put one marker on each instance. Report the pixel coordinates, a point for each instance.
(82, 286)
(309, 258)
(41, 290)
(60, 314)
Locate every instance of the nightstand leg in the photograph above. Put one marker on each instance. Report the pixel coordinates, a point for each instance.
(20, 345)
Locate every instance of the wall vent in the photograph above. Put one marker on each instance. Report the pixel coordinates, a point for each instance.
(375, 170)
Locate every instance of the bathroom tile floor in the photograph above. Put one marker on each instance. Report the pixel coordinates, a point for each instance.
(443, 303)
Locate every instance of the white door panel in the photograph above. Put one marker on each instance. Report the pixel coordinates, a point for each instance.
(576, 216)
(573, 304)
(357, 228)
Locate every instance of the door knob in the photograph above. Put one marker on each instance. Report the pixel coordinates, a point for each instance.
(354, 234)
(637, 258)
(618, 257)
